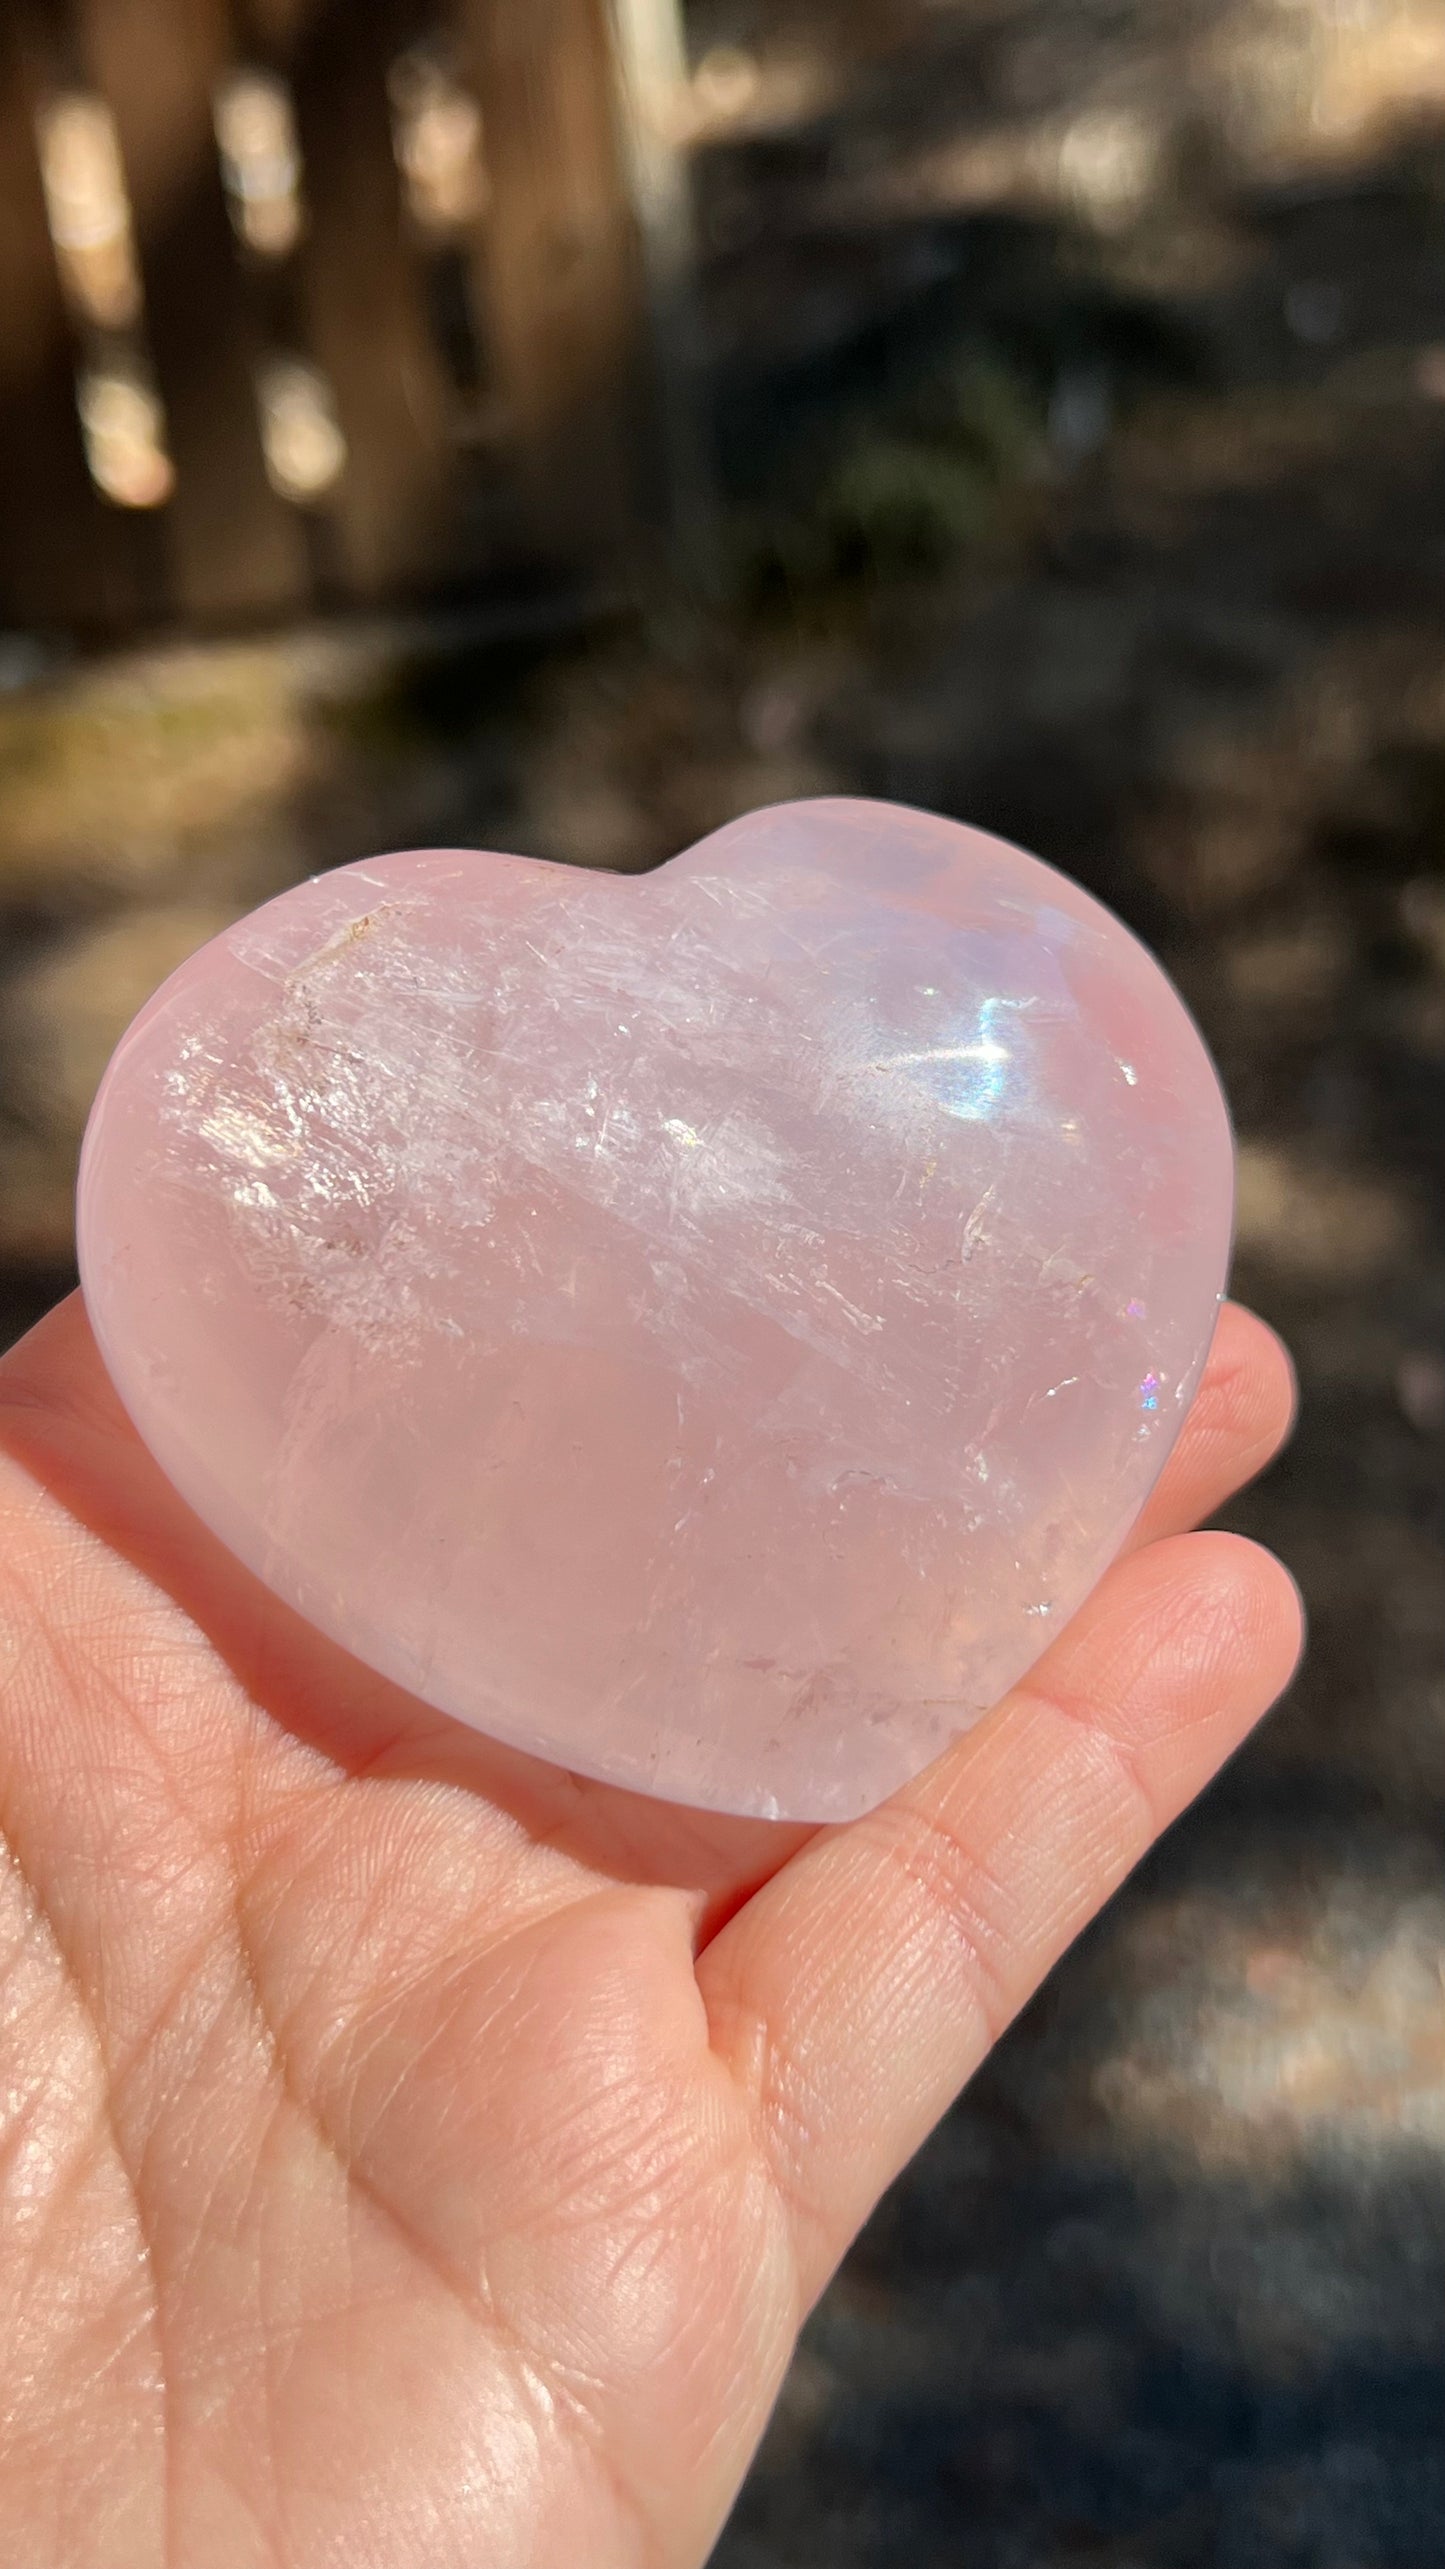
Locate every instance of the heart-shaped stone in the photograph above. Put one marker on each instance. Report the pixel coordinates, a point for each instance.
(710, 1328)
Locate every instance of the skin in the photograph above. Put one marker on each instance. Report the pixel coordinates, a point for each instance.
(410, 2154)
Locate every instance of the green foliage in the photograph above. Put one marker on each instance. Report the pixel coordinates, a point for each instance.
(901, 490)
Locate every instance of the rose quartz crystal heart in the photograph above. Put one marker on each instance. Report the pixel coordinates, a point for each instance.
(710, 1329)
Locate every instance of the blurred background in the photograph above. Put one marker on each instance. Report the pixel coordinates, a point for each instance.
(536, 426)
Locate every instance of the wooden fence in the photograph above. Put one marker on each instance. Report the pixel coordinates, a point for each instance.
(306, 302)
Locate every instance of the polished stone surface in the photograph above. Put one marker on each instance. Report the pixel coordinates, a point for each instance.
(709, 1328)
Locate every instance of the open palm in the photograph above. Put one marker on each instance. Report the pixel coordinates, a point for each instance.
(411, 2154)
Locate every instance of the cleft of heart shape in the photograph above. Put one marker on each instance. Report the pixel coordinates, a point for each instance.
(710, 1329)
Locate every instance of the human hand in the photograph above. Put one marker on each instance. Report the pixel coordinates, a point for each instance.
(411, 2154)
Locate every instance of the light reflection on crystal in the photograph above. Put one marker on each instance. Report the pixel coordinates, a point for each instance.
(971, 1074)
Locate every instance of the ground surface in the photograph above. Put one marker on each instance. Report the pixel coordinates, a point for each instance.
(1108, 345)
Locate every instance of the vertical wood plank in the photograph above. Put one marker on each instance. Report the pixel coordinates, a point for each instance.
(65, 558)
(395, 521)
(650, 42)
(561, 276)
(236, 549)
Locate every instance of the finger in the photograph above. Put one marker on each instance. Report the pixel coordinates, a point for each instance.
(858, 1990)
(1239, 1418)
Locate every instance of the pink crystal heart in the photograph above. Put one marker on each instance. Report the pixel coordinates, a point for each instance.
(710, 1329)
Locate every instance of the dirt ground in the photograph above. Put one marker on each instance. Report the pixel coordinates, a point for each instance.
(1083, 407)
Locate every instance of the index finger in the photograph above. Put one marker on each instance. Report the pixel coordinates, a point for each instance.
(1238, 1419)
(854, 1995)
